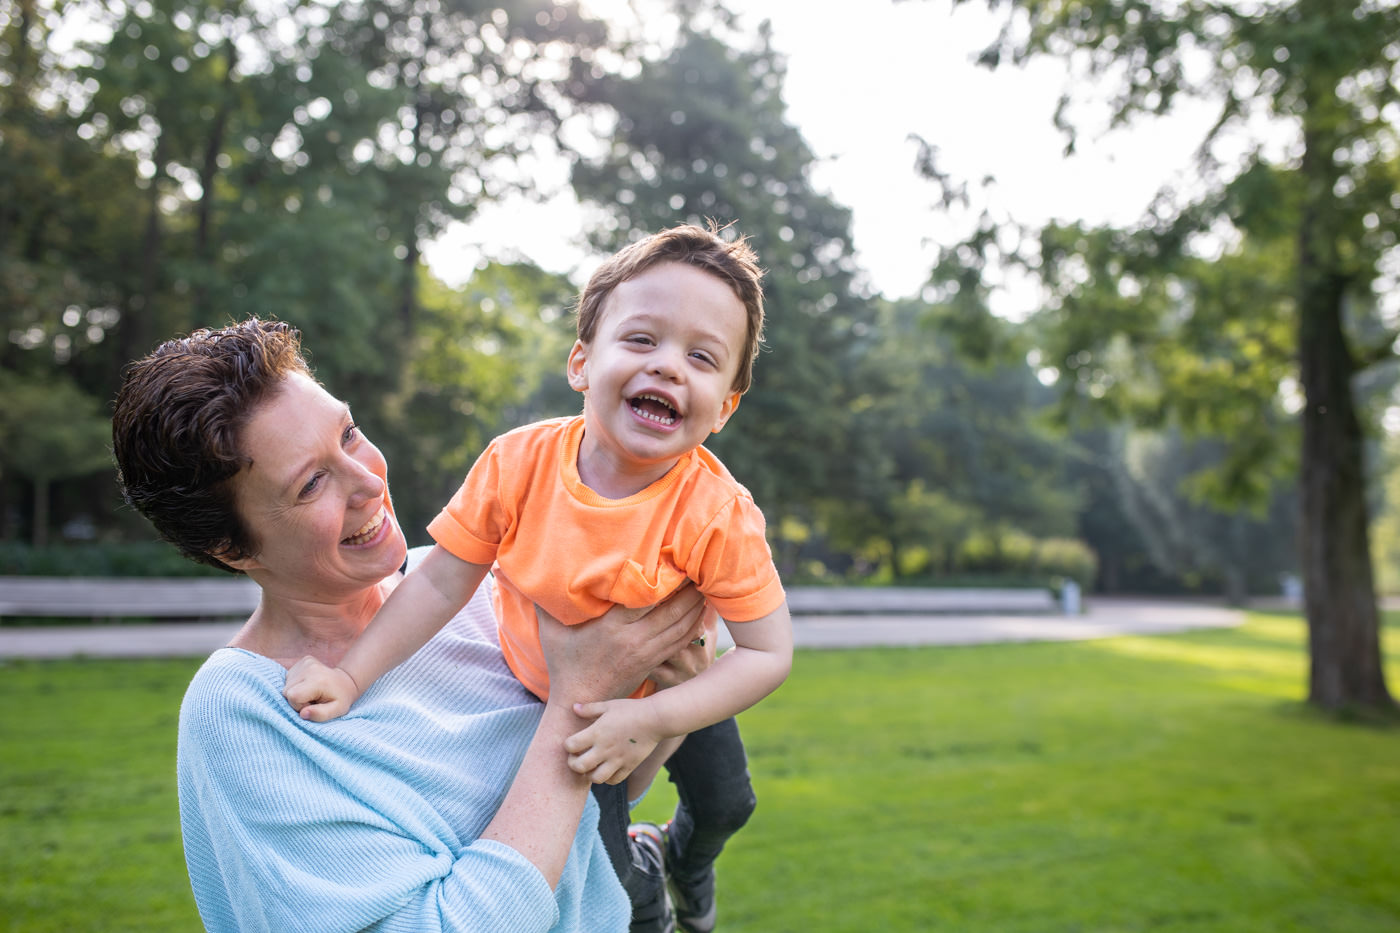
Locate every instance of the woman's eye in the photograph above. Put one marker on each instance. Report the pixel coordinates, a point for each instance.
(352, 431)
(311, 485)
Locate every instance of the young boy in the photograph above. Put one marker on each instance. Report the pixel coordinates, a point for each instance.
(619, 505)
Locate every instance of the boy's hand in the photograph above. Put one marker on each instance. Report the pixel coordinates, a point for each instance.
(623, 734)
(319, 692)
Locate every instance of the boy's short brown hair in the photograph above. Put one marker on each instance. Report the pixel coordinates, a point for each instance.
(733, 261)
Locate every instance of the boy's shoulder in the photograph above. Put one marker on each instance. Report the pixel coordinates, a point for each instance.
(709, 469)
(535, 433)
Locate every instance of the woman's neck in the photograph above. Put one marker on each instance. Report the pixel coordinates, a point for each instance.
(287, 628)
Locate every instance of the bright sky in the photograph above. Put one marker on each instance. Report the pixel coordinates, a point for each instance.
(859, 83)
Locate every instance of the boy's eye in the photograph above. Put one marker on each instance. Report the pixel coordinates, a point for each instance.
(704, 357)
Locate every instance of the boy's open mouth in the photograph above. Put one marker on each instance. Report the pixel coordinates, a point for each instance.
(654, 408)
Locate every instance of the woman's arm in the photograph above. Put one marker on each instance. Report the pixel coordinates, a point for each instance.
(624, 732)
(608, 657)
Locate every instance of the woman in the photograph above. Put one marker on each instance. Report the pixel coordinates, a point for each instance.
(444, 800)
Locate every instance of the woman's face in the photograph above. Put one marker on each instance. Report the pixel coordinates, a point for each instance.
(315, 497)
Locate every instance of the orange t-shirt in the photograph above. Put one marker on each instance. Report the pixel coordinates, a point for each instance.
(558, 543)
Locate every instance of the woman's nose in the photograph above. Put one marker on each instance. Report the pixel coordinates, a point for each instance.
(368, 484)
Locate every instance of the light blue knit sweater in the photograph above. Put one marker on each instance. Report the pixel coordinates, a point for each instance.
(371, 821)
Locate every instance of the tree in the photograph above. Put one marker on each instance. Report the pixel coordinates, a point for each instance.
(50, 430)
(482, 353)
(1326, 71)
(951, 444)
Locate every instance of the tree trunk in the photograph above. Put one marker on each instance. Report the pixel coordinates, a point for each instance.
(1338, 589)
(208, 173)
(138, 329)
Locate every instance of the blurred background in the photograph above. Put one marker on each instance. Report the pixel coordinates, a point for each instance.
(1033, 269)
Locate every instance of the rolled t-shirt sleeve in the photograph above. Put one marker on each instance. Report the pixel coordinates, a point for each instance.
(473, 523)
(732, 564)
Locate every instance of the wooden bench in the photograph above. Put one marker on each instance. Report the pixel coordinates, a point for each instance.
(128, 597)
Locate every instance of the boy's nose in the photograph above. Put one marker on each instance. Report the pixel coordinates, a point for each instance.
(665, 364)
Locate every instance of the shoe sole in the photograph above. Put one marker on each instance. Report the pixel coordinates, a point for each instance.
(701, 924)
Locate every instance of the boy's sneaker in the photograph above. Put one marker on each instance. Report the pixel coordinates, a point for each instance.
(648, 848)
(693, 900)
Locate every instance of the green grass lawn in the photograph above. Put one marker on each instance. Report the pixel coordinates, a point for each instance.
(1157, 784)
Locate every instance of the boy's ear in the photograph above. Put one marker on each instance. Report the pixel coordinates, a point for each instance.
(577, 367)
(726, 411)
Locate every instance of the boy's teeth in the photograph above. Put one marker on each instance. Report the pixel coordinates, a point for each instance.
(666, 417)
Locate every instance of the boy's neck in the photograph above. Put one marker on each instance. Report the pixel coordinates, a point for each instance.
(614, 478)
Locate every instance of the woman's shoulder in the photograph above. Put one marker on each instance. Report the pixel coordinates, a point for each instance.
(233, 680)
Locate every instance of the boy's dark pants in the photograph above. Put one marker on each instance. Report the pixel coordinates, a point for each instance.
(714, 800)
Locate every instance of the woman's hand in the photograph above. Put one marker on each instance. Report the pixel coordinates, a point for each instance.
(610, 656)
(691, 660)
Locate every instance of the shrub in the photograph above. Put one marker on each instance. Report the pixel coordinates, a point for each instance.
(1068, 558)
(100, 559)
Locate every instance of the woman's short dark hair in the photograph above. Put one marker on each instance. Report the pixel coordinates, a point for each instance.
(176, 431)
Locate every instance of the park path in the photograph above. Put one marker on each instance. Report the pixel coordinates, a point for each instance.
(962, 618)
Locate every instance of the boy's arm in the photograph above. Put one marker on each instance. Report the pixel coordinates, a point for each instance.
(624, 732)
(422, 603)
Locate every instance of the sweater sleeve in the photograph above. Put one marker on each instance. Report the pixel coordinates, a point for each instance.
(277, 837)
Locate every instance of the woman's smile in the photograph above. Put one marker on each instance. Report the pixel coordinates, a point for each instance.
(369, 530)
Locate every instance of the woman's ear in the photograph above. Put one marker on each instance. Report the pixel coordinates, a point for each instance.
(225, 556)
(577, 367)
(726, 411)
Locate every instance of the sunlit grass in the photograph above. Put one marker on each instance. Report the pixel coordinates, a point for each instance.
(1154, 783)
(1160, 783)
(89, 833)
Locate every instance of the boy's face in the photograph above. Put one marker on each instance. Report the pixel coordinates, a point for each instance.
(658, 375)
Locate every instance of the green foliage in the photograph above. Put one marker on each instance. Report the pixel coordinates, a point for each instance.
(1254, 293)
(1385, 529)
(481, 363)
(100, 559)
(950, 447)
(1011, 552)
(1068, 559)
(49, 430)
(188, 163)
